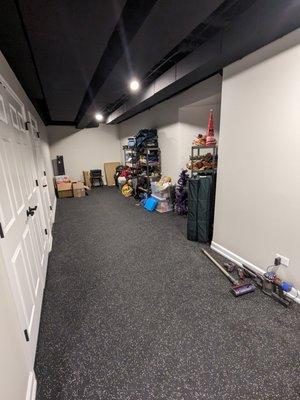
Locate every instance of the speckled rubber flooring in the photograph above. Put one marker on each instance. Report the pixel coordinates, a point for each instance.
(132, 310)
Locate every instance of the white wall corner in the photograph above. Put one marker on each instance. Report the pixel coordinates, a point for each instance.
(31, 387)
(241, 261)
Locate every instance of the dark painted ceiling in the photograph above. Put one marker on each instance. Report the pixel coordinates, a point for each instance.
(66, 52)
(68, 39)
(75, 57)
(169, 22)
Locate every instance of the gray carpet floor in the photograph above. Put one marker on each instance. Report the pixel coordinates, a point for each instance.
(133, 310)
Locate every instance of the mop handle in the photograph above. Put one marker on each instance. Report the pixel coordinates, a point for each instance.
(234, 281)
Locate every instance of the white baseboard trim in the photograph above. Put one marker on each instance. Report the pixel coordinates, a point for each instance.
(31, 387)
(53, 210)
(50, 242)
(234, 257)
(240, 261)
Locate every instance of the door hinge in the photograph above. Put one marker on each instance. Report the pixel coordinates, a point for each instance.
(37, 182)
(38, 134)
(1, 231)
(50, 208)
(26, 335)
(27, 125)
(46, 232)
(45, 173)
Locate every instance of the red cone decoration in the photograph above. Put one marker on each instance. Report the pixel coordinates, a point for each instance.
(210, 139)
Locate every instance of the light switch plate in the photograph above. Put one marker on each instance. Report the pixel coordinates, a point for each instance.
(284, 260)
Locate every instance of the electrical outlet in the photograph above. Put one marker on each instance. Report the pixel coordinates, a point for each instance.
(284, 260)
(277, 261)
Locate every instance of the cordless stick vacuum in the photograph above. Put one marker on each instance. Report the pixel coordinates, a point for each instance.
(238, 288)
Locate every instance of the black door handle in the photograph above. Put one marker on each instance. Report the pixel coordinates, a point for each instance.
(30, 211)
(44, 185)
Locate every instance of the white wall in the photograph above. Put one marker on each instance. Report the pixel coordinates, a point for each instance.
(258, 192)
(84, 149)
(178, 121)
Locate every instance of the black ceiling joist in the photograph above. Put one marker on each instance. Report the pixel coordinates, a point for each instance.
(40, 104)
(68, 73)
(206, 30)
(132, 17)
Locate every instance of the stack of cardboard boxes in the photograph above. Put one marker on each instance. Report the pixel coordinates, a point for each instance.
(65, 187)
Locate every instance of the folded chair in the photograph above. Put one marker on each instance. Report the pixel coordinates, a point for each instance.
(96, 176)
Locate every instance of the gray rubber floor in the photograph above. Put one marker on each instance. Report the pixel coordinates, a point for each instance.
(133, 310)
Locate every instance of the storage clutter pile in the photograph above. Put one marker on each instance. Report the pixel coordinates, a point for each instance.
(204, 162)
(161, 192)
(66, 187)
(145, 137)
(140, 177)
(161, 196)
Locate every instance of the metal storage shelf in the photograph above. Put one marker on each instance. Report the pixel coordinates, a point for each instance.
(146, 168)
(205, 147)
(197, 156)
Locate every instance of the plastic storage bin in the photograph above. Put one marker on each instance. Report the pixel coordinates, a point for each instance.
(131, 142)
(160, 194)
(164, 206)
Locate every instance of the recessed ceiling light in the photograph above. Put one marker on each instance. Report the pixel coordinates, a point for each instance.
(99, 117)
(134, 85)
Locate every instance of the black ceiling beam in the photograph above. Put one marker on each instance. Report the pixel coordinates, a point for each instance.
(206, 30)
(17, 51)
(67, 123)
(41, 105)
(258, 25)
(133, 15)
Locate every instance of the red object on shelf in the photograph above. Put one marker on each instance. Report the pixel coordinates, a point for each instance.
(210, 139)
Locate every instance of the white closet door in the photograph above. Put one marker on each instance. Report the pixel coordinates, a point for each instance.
(22, 230)
(42, 180)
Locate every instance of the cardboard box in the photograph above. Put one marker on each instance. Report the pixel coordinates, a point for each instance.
(64, 189)
(87, 178)
(62, 178)
(78, 189)
(110, 170)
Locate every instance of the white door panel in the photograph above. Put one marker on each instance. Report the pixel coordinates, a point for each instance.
(13, 116)
(6, 206)
(3, 116)
(26, 172)
(20, 269)
(31, 258)
(9, 156)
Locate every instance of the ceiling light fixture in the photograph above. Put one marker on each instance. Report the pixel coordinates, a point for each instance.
(134, 85)
(99, 117)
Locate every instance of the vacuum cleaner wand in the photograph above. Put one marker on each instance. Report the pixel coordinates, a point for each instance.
(238, 289)
(232, 280)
